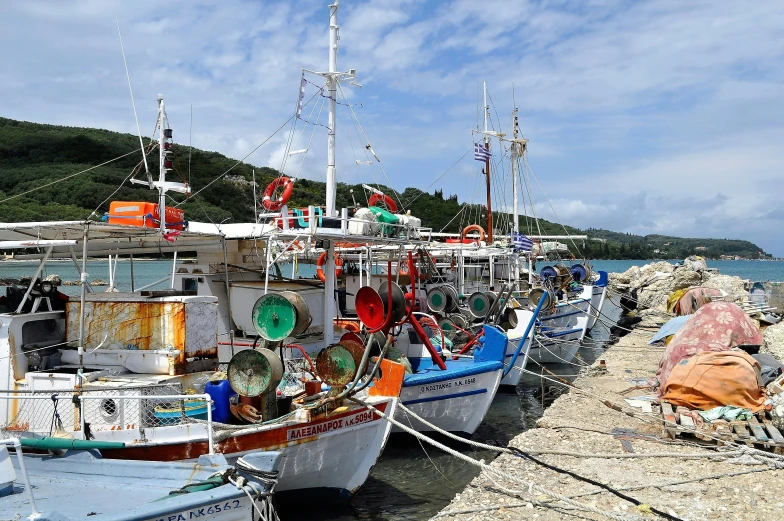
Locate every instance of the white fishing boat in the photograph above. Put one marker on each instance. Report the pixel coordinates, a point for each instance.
(46, 487)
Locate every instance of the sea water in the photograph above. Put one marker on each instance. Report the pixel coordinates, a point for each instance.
(415, 481)
(146, 272)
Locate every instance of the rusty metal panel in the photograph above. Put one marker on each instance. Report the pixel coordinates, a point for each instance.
(147, 324)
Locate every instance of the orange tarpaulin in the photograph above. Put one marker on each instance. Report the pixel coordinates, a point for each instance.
(716, 326)
(713, 379)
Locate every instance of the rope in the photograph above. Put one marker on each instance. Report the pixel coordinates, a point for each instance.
(69, 176)
(775, 460)
(493, 472)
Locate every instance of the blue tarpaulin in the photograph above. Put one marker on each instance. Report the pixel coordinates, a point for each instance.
(670, 328)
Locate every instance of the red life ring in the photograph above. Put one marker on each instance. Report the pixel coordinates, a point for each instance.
(472, 228)
(320, 267)
(388, 202)
(273, 205)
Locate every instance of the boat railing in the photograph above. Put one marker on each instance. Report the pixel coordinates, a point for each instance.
(17, 445)
(126, 412)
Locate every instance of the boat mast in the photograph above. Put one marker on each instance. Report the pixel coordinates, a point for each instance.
(163, 153)
(487, 172)
(332, 82)
(516, 225)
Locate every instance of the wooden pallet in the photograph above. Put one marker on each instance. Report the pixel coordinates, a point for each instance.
(757, 432)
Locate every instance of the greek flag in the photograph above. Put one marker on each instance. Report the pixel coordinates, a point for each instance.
(480, 152)
(302, 84)
(522, 242)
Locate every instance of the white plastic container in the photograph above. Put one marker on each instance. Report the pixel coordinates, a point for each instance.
(363, 223)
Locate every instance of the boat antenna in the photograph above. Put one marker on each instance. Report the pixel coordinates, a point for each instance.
(190, 146)
(133, 104)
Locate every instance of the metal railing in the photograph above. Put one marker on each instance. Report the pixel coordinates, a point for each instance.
(17, 445)
(105, 410)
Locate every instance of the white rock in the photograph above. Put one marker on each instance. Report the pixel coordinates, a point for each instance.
(773, 341)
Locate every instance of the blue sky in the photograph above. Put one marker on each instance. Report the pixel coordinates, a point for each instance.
(644, 117)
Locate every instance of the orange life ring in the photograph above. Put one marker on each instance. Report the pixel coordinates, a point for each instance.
(388, 202)
(473, 228)
(273, 205)
(320, 267)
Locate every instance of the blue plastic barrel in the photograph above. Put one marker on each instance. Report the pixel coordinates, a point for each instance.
(220, 392)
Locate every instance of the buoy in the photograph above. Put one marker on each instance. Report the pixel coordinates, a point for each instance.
(472, 228)
(320, 266)
(273, 205)
(388, 201)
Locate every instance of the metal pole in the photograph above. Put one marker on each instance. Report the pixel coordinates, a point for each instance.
(83, 278)
(516, 227)
(162, 167)
(174, 270)
(329, 285)
(35, 278)
(23, 469)
(487, 174)
(228, 293)
(132, 281)
(209, 415)
(332, 89)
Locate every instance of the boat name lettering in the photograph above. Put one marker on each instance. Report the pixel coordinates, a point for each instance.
(332, 425)
(196, 513)
(447, 385)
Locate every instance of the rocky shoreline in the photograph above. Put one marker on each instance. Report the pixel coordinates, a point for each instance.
(592, 435)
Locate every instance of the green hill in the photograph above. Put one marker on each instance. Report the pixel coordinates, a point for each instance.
(49, 159)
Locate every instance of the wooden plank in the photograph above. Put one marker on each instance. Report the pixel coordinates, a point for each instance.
(757, 430)
(670, 427)
(740, 429)
(775, 434)
(687, 422)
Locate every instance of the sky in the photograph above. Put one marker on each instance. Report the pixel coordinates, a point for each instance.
(656, 117)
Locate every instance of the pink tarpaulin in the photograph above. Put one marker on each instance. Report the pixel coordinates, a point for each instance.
(694, 299)
(716, 326)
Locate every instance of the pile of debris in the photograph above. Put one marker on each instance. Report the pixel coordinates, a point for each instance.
(646, 290)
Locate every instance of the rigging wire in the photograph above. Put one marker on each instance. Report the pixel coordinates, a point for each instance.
(409, 203)
(232, 167)
(528, 168)
(135, 150)
(380, 164)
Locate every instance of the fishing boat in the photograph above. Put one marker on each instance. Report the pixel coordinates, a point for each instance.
(44, 487)
(114, 366)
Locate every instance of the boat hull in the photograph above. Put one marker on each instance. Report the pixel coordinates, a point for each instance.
(457, 405)
(597, 302)
(333, 455)
(560, 347)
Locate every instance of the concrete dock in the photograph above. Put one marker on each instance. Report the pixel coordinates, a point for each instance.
(684, 478)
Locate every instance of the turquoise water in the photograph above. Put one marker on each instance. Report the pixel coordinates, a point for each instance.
(149, 271)
(752, 269)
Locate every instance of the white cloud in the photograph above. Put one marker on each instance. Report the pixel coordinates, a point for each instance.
(639, 114)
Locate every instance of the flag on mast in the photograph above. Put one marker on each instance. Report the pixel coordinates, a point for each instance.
(522, 242)
(480, 152)
(303, 82)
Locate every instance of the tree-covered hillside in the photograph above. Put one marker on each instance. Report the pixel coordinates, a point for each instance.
(48, 159)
